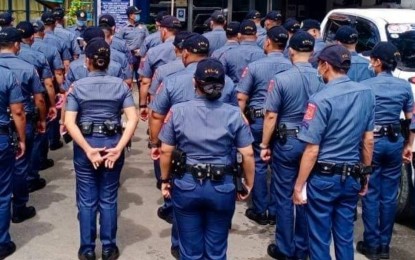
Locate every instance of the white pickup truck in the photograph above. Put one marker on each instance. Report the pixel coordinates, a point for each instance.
(375, 25)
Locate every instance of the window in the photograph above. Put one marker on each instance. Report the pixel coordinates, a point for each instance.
(333, 24)
(368, 35)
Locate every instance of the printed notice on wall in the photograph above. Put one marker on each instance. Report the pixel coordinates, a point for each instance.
(116, 8)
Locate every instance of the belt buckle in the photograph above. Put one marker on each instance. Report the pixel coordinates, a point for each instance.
(346, 171)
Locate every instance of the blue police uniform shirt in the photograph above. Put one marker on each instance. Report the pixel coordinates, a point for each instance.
(26, 75)
(236, 59)
(150, 41)
(121, 59)
(217, 38)
(69, 39)
(318, 46)
(393, 95)
(78, 31)
(157, 56)
(164, 71)
(37, 59)
(260, 31)
(256, 77)
(51, 38)
(359, 68)
(260, 40)
(207, 131)
(121, 46)
(98, 98)
(77, 70)
(228, 45)
(10, 93)
(289, 92)
(51, 53)
(179, 88)
(336, 119)
(133, 35)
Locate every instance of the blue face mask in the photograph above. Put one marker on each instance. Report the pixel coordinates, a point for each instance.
(137, 18)
(81, 23)
(370, 67)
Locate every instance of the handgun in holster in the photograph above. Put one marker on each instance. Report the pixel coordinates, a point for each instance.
(282, 133)
(110, 127)
(393, 135)
(248, 115)
(14, 137)
(405, 128)
(362, 172)
(240, 187)
(178, 163)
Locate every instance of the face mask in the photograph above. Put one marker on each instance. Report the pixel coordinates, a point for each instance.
(80, 23)
(137, 18)
(371, 68)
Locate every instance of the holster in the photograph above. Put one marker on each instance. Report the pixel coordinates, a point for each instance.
(110, 127)
(282, 133)
(405, 125)
(240, 187)
(14, 137)
(86, 128)
(393, 134)
(248, 115)
(362, 172)
(178, 163)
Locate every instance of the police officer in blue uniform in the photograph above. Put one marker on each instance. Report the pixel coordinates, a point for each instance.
(157, 56)
(32, 91)
(6, 20)
(217, 36)
(273, 18)
(393, 96)
(252, 92)
(292, 26)
(338, 129)
(153, 39)
(286, 101)
(232, 35)
(359, 69)
(232, 60)
(81, 24)
(98, 147)
(203, 193)
(10, 97)
(256, 16)
(313, 27)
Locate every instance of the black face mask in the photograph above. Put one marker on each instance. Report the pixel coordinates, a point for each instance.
(212, 91)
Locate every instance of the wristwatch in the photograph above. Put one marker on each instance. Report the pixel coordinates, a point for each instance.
(154, 145)
(142, 106)
(263, 146)
(168, 180)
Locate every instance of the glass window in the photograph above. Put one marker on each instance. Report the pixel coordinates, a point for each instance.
(368, 35)
(331, 28)
(405, 42)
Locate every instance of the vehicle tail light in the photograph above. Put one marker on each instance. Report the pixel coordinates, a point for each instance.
(412, 80)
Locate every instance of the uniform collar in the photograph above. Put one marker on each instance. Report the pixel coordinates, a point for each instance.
(48, 32)
(218, 29)
(303, 64)
(7, 55)
(275, 54)
(354, 53)
(58, 25)
(24, 45)
(339, 80)
(170, 39)
(385, 74)
(319, 39)
(192, 66)
(97, 73)
(248, 43)
(231, 42)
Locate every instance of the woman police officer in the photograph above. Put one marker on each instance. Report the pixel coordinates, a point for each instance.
(203, 193)
(92, 117)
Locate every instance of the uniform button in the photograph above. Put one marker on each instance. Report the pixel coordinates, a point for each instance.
(326, 168)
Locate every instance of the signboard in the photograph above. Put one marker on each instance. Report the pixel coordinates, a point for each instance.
(116, 8)
(181, 3)
(181, 14)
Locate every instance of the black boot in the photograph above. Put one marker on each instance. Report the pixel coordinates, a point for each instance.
(370, 253)
(275, 253)
(89, 255)
(110, 253)
(384, 252)
(23, 214)
(7, 249)
(261, 219)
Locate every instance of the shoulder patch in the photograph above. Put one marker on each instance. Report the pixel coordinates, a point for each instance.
(245, 72)
(168, 116)
(311, 111)
(70, 89)
(271, 85)
(159, 88)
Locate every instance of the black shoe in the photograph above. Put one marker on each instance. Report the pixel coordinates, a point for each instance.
(7, 249)
(272, 220)
(48, 163)
(175, 252)
(384, 252)
(261, 219)
(165, 215)
(23, 214)
(56, 146)
(274, 252)
(90, 255)
(36, 184)
(110, 253)
(370, 253)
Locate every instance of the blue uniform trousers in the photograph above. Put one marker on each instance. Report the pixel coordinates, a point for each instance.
(38, 151)
(291, 234)
(379, 204)
(203, 212)
(22, 170)
(330, 208)
(7, 160)
(54, 130)
(97, 191)
(262, 200)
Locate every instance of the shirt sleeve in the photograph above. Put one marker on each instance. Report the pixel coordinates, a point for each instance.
(409, 104)
(243, 137)
(46, 71)
(145, 68)
(155, 82)
(70, 78)
(15, 90)
(66, 55)
(128, 97)
(371, 120)
(57, 61)
(161, 102)
(274, 96)
(246, 83)
(37, 86)
(71, 100)
(167, 134)
(314, 123)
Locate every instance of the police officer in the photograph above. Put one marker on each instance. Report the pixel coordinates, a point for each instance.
(98, 147)
(286, 101)
(217, 36)
(273, 18)
(157, 56)
(232, 60)
(359, 69)
(232, 34)
(68, 37)
(203, 193)
(393, 96)
(337, 128)
(32, 91)
(6, 20)
(10, 97)
(252, 92)
(313, 27)
(292, 26)
(153, 39)
(81, 24)
(256, 16)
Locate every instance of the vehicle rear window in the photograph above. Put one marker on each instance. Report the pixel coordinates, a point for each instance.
(405, 42)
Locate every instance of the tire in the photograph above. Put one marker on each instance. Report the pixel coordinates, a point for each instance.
(406, 194)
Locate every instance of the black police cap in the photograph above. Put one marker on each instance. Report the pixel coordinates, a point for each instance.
(292, 25)
(336, 55)
(6, 19)
(81, 15)
(278, 34)
(232, 28)
(273, 16)
(26, 29)
(169, 21)
(248, 27)
(160, 15)
(58, 13)
(346, 34)
(302, 41)
(38, 26)
(180, 38)
(93, 32)
(218, 16)
(98, 48)
(308, 24)
(196, 43)
(106, 20)
(253, 14)
(386, 52)
(48, 18)
(210, 70)
(9, 35)
(132, 10)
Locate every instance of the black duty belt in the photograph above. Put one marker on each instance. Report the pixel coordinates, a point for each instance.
(256, 113)
(88, 128)
(357, 170)
(4, 130)
(102, 129)
(387, 130)
(281, 132)
(215, 172)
